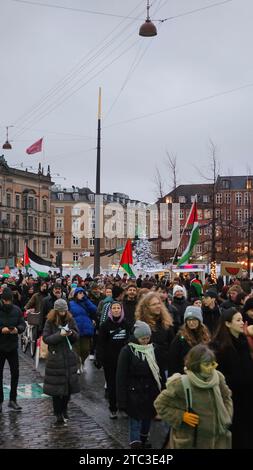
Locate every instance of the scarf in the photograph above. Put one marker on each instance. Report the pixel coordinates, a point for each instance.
(223, 417)
(146, 351)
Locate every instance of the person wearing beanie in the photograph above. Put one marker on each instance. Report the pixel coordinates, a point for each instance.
(192, 332)
(113, 335)
(200, 419)
(179, 303)
(11, 325)
(138, 382)
(84, 313)
(61, 380)
(235, 362)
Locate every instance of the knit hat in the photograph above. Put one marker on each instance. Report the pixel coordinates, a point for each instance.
(177, 288)
(141, 329)
(193, 312)
(61, 305)
(7, 294)
(211, 293)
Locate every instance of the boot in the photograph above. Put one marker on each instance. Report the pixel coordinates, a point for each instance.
(136, 445)
(144, 442)
(14, 406)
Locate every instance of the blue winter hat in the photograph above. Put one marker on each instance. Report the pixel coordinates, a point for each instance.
(193, 312)
(79, 289)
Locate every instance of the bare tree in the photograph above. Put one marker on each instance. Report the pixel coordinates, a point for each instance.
(173, 169)
(159, 184)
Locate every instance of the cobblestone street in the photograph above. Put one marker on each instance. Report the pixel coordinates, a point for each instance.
(32, 428)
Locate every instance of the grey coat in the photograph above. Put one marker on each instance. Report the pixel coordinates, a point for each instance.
(62, 363)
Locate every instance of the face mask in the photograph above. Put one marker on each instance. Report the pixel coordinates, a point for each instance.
(207, 368)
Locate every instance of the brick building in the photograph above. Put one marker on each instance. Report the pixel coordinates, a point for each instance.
(230, 199)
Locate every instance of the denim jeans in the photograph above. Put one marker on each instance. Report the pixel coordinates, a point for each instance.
(139, 429)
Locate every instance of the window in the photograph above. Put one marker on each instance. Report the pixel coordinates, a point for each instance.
(35, 246)
(59, 223)
(238, 198)
(25, 222)
(44, 247)
(75, 241)
(75, 196)
(168, 200)
(44, 205)
(200, 231)
(206, 198)
(193, 198)
(59, 210)
(35, 223)
(218, 213)
(17, 201)
(238, 214)
(25, 201)
(75, 256)
(91, 197)
(227, 198)
(228, 214)
(8, 199)
(17, 221)
(44, 225)
(198, 249)
(76, 211)
(30, 222)
(218, 198)
(30, 203)
(35, 204)
(249, 183)
(182, 200)
(59, 240)
(91, 241)
(207, 214)
(246, 198)
(225, 184)
(181, 214)
(206, 230)
(8, 218)
(246, 214)
(200, 214)
(60, 196)
(75, 225)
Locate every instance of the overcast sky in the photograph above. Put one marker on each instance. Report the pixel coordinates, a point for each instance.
(48, 54)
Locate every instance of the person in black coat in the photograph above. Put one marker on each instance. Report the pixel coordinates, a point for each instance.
(234, 361)
(47, 303)
(139, 382)
(11, 325)
(193, 332)
(61, 379)
(129, 304)
(113, 335)
(210, 310)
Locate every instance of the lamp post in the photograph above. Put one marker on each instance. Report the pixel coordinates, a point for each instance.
(148, 28)
(97, 195)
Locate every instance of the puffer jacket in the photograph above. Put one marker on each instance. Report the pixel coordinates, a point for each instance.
(81, 311)
(62, 363)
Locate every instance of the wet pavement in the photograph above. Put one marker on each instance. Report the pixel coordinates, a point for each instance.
(89, 426)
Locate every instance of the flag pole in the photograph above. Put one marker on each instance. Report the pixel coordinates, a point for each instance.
(97, 195)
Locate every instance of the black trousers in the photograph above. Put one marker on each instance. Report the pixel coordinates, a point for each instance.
(12, 358)
(110, 377)
(60, 404)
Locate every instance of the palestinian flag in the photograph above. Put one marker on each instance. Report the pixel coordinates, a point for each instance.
(37, 264)
(193, 225)
(127, 259)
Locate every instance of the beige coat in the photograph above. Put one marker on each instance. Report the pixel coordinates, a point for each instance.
(171, 405)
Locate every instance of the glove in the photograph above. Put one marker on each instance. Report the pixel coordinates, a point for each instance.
(97, 364)
(191, 419)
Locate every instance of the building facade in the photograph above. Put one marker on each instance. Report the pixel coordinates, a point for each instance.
(225, 215)
(73, 226)
(24, 212)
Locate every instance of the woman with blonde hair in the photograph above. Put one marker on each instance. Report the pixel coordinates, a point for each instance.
(152, 311)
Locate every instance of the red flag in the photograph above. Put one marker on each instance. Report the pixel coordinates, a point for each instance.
(36, 147)
(127, 258)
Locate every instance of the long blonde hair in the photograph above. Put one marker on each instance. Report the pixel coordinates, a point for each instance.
(143, 312)
(54, 317)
